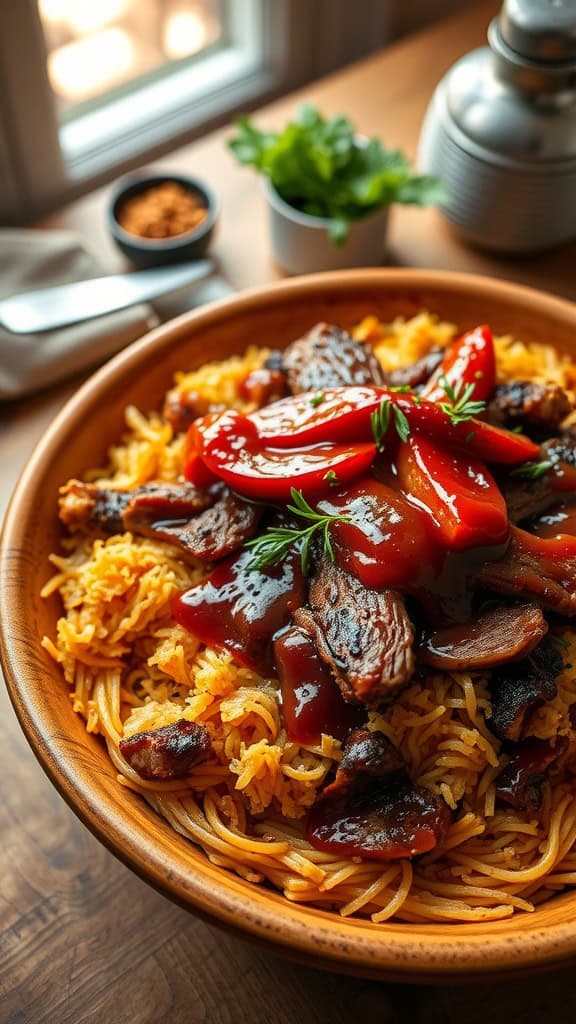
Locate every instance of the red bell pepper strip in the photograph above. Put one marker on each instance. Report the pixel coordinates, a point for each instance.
(313, 417)
(344, 414)
(194, 468)
(471, 437)
(468, 360)
(384, 540)
(465, 505)
(230, 448)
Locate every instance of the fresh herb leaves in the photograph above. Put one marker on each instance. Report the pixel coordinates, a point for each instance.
(274, 544)
(401, 424)
(318, 166)
(317, 399)
(331, 478)
(459, 406)
(380, 423)
(532, 470)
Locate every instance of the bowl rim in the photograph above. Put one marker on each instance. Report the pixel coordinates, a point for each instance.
(173, 242)
(306, 934)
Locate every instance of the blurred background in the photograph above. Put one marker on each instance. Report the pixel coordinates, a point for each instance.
(91, 89)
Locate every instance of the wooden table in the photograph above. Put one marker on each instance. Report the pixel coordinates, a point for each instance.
(81, 938)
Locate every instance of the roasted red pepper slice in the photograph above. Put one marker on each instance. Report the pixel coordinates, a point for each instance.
(334, 414)
(387, 541)
(473, 437)
(231, 449)
(463, 500)
(468, 360)
(194, 468)
(337, 414)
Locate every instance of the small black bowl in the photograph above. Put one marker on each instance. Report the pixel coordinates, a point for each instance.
(156, 252)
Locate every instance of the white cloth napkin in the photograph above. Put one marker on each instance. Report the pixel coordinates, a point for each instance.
(32, 259)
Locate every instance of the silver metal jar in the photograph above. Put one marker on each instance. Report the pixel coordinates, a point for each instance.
(501, 131)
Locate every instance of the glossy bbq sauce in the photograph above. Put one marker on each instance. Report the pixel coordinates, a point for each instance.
(389, 543)
(384, 821)
(559, 520)
(311, 700)
(241, 609)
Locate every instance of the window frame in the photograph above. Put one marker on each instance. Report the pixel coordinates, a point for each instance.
(272, 47)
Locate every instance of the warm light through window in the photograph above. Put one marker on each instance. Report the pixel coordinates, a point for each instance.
(184, 33)
(98, 45)
(92, 64)
(83, 16)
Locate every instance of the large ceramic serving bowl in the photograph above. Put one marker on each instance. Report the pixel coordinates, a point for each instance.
(78, 764)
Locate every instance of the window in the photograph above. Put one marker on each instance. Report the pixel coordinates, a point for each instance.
(97, 50)
(91, 88)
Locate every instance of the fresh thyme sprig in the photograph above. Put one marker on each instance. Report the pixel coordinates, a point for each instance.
(380, 422)
(274, 544)
(459, 406)
(532, 470)
(401, 424)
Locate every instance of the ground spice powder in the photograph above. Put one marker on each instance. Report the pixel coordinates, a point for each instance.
(162, 211)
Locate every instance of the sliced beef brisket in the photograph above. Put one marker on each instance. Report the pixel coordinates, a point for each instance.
(208, 523)
(538, 408)
(519, 688)
(328, 357)
(497, 635)
(543, 570)
(372, 809)
(365, 636)
(169, 752)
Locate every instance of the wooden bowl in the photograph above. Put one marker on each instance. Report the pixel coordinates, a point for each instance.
(78, 764)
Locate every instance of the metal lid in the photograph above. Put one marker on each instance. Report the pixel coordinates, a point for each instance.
(540, 30)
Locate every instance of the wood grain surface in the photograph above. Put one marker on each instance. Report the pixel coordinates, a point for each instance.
(81, 938)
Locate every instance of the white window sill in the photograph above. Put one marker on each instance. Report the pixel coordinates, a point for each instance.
(161, 110)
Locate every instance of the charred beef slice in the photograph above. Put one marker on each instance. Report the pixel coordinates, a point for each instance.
(365, 636)
(521, 783)
(169, 752)
(181, 408)
(327, 357)
(538, 408)
(497, 635)
(526, 499)
(211, 534)
(418, 373)
(372, 809)
(518, 688)
(533, 568)
(208, 524)
(367, 754)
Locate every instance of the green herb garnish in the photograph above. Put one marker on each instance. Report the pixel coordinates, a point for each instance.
(401, 424)
(318, 398)
(380, 421)
(401, 389)
(459, 406)
(318, 166)
(532, 470)
(274, 544)
(331, 478)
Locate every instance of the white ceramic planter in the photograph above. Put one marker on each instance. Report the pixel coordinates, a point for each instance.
(301, 244)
